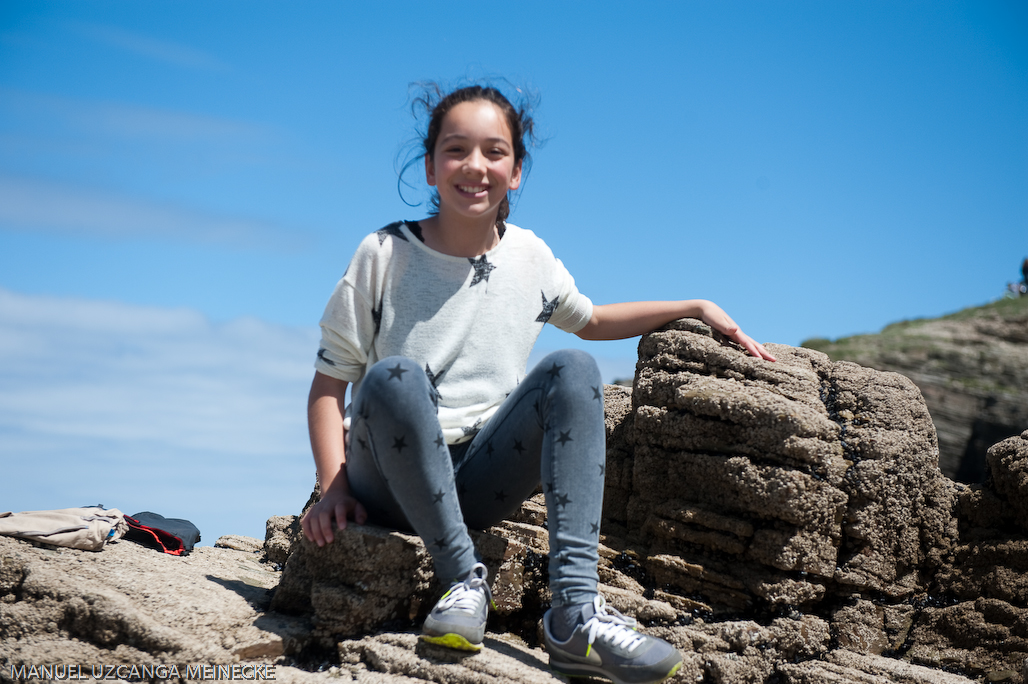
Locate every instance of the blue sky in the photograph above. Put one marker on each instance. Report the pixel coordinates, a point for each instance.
(181, 185)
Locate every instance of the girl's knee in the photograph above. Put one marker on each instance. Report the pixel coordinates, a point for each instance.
(393, 373)
(578, 364)
(395, 382)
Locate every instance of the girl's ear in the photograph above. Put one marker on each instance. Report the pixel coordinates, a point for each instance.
(430, 170)
(515, 177)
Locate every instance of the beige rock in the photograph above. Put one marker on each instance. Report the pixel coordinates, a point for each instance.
(846, 667)
(239, 543)
(281, 533)
(368, 577)
(776, 522)
(504, 660)
(1008, 476)
(861, 628)
(132, 605)
(775, 479)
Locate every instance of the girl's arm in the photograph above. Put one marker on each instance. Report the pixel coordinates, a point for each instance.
(325, 407)
(628, 319)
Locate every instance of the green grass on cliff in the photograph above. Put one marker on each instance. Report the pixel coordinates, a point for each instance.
(903, 335)
(1006, 309)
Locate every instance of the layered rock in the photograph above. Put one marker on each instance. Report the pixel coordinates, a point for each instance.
(129, 605)
(978, 620)
(780, 522)
(971, 367)
(370, 577)
(804, 494)
(812, 485)
(770, 485)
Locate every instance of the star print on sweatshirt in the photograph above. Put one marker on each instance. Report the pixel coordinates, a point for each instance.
(482, 270)
(392, 229)
(549, 305)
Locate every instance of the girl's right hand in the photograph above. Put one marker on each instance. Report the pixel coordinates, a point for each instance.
(714, 316)
(334, 505)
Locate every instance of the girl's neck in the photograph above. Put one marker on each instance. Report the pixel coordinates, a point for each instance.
(460, 235)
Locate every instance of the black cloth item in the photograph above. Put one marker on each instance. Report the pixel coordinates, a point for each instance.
(170, 535)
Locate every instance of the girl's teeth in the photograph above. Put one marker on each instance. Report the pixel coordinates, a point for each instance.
(468, 188)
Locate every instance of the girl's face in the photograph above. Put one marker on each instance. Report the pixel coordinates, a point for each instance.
(473, 164)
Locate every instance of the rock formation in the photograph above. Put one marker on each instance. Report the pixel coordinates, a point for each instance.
(816, 476)
(796, 505)
(129, 605)
(821, 493)
(780, 522)
(971, 367)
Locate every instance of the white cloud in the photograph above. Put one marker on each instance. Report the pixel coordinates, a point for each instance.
(127, 120)
(130, 120)
(40, 205)
(117, 371)
(165, 51)
(143, 407)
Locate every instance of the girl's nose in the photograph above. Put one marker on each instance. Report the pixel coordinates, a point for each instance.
(474, 161)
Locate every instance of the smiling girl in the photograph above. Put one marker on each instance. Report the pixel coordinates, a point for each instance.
(433, 323)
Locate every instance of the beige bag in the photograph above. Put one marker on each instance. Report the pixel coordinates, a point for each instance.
(86, 528)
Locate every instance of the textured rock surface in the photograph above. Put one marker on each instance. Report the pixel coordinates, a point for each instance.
(777, 522)
(281, 533)
(978, 620)
(1008, 477)
(971, 367)
(769, 486)
(370, 577)
(131, 605)
(820, 493)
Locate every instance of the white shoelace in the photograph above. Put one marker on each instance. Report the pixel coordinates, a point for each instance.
(611, 626)
(469, 595)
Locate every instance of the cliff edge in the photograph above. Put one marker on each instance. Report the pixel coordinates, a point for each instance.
(971, 368)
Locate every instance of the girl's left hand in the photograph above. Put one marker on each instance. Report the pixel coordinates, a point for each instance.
(715, 317)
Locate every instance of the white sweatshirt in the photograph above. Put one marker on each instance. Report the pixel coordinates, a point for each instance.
(470, 323)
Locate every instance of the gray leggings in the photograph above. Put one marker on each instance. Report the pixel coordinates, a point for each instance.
(549, 429)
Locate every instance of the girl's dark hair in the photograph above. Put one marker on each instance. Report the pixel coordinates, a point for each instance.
(437, 105)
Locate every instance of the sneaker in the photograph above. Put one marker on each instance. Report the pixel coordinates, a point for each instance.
(608, 645)
(458, 619)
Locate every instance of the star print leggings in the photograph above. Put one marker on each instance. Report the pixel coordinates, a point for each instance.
(549, 430)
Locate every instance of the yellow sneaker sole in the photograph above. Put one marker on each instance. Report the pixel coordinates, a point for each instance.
(454, 641)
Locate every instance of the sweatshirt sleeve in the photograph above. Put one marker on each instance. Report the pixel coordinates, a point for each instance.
(348, 325)
(574, 309)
